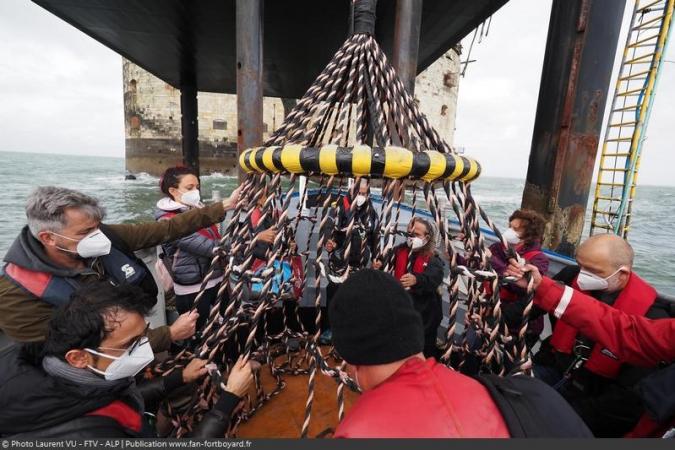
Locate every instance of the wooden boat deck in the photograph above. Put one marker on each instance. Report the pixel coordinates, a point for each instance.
(283, 415)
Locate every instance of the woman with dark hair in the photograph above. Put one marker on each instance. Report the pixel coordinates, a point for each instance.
(188, 259)
(525, 232)
(420, 270)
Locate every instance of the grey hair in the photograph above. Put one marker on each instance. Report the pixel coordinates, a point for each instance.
(432, 231)
(46, 208)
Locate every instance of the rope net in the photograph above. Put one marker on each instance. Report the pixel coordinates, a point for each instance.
(356, 120)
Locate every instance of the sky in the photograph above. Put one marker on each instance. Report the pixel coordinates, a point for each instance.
(61, 91)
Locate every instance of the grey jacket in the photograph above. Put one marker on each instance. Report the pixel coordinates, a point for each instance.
(190, 256)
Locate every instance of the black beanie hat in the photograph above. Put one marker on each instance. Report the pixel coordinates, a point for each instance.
(373, 320)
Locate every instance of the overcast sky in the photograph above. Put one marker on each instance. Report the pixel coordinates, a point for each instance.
(61, 91)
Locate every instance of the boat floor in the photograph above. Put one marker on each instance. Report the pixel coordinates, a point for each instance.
(283, 415)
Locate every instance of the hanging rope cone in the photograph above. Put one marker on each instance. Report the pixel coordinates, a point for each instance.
(356, 120)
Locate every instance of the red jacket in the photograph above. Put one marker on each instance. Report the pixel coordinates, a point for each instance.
(635, 299)
(633, 339)
(424, 399)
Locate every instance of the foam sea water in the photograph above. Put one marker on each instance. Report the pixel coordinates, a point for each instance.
(134, 200)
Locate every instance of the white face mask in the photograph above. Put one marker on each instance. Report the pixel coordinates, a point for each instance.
(588, 281)
(92, 245)
(416, 242)
(127, 365)
(191, 198)
(511, 236)
(360, 200)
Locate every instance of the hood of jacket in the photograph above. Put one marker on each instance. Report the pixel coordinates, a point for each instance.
(165, 205)
(27, 252)
(31, 399)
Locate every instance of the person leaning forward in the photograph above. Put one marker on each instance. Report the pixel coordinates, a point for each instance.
(380, 335)
(65, 245)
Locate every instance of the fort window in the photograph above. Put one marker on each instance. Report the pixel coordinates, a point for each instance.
(219, 125)
(444, 110)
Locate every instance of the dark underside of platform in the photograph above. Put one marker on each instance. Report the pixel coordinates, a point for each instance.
(193, 42)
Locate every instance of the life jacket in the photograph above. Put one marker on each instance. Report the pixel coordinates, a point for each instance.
(401, 262)
(346, 203)
(120, 267)
(506, 294)
(210, 233)
(649, 428)
(123, 414)
(635, 299)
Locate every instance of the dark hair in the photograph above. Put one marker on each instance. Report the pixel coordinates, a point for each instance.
(172, 176)
(534, 224)
(85, 321)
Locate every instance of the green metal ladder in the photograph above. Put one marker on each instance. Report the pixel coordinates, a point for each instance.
(626, 127)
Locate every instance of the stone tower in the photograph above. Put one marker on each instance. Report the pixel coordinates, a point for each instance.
(153, 127)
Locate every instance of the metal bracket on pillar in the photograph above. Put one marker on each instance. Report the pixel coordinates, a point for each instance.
(189, 126)
(407, 40)
(249, 22)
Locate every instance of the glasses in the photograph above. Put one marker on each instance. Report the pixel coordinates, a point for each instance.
(142, 339)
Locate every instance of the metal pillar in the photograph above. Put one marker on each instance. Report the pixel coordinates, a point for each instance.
(249, 20)
(580, 50)
(189, 127)
(407, 40)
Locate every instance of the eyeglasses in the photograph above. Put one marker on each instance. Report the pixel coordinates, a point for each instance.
(142, 339)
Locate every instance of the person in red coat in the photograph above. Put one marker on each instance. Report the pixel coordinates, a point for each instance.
(633, 339)
(599, 385)
(377, 330)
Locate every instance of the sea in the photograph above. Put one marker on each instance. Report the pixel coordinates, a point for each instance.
(129, 201)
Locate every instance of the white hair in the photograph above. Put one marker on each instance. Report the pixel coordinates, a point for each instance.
(46, 208)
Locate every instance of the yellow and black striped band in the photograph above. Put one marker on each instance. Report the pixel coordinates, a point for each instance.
(361, 160)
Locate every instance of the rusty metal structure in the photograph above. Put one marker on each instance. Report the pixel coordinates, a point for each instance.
(580, 51)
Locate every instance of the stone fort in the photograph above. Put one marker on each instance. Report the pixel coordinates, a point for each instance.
(153, 117)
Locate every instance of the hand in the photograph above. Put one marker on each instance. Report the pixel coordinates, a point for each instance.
(408, 280)
(330, 245)
(268, 235)
(194, 370)
(515, 270)
(184, 327)
(241, 377)
(231, 201)
(377, 264)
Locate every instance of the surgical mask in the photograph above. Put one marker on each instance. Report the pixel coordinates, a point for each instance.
(92, 245)
(191, 198)
(127, 365)
(360, 200)
(416, 242)
(511, 236)
(588, 281)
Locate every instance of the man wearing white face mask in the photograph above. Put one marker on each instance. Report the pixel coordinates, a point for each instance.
(598, 383)
(65, 246)
(80, 382)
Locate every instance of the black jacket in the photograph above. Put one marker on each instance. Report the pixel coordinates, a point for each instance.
(38, 405)
(425, 293)
(364, 233)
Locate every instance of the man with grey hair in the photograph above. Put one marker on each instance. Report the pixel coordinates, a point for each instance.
(65, 245)
(597, 383)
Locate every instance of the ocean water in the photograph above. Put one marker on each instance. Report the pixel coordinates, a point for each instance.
(133, 200)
